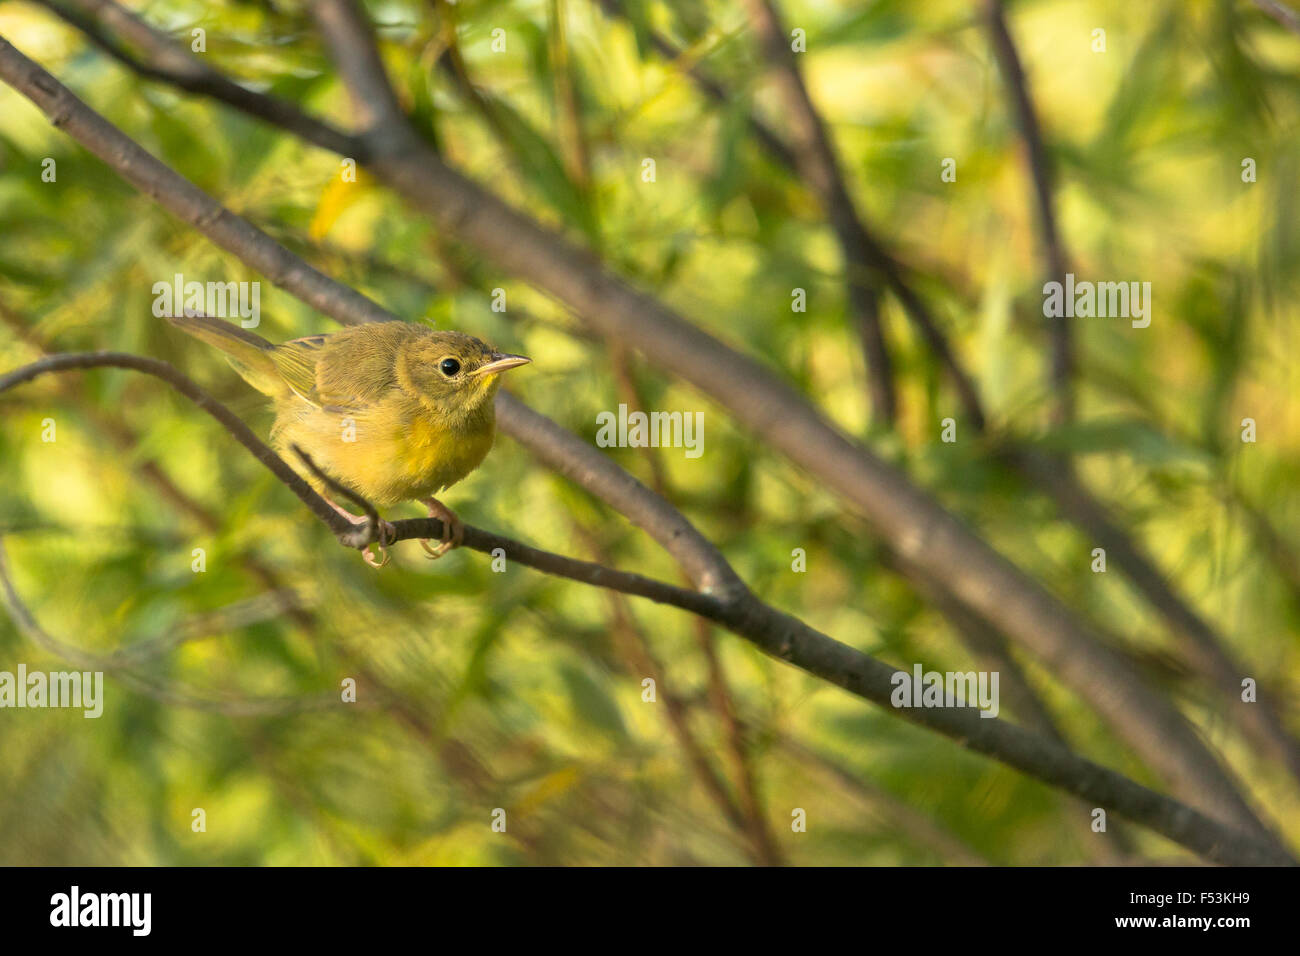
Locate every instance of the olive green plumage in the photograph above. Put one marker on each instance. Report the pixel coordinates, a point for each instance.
(393, 410)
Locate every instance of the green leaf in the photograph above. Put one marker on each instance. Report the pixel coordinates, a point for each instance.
(1139, 440)
(590, 701)
(544, 169)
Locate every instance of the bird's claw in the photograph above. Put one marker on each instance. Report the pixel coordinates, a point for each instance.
(432, 552)
(453, 529)
(387, 536)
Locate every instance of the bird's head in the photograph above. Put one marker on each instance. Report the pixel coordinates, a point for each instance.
(454, 374)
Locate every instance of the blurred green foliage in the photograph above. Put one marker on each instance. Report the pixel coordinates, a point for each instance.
(482, 690)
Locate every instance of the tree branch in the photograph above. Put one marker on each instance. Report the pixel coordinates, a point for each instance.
(637, 647)
(173, 64)
(770, 141)
(352, 46)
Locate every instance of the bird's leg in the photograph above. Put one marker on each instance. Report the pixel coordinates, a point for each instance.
(386, 534)
(453, 529)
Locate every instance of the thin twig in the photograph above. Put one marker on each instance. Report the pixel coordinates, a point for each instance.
(639, 649)
(634, 643)
(771, 142)
(569, 121)
(262, 607)
(1281, 13)
(911, 822)
(720, 696)
(737, 747)
(171, 693)
(1013, 74)
(817, 163)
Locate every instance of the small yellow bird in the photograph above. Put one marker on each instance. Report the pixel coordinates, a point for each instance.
(392, 410)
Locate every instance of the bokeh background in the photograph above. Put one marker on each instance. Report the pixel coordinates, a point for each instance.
(482, 690)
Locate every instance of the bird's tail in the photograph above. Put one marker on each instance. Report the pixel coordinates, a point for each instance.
(249, 354)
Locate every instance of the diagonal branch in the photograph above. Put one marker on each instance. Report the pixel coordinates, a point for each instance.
(357, 57)
(1261, 720)
(172, 64)
(771, 142)
(637, 646)
(901, 816)
(1282, 13)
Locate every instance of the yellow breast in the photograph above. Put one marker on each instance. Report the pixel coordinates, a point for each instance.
(389, 453)
(434, 457)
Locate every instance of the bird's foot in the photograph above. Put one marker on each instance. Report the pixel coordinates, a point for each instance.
(453, 529)
(387, 535)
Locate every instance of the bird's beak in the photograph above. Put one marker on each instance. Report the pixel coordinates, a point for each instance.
(500, 363)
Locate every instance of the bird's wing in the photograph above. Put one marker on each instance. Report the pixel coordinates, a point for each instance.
(346, 370)
(355, 367)
(296, 362)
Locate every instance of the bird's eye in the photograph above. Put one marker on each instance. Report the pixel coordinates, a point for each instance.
(449, 367)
